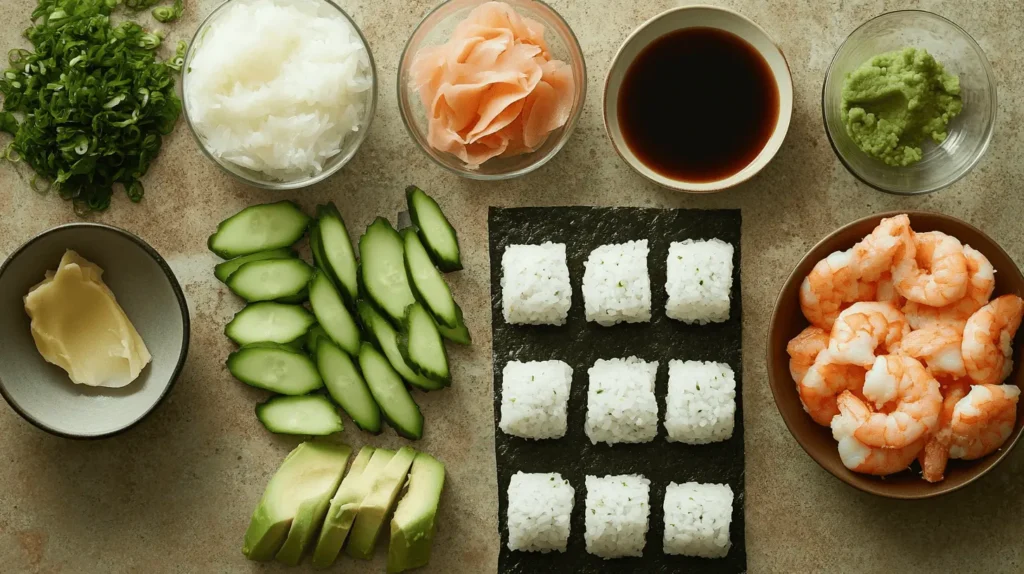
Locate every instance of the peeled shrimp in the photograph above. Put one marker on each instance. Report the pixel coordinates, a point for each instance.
(885, 291)
(873, 255)
(864, 327)
(988, 339)
(983, 420)
(829, 286)
(934, 272)
(856, 455)
(935, 456)
(980, 285)
(824, 381)
(803, 349)
(908, 399)
(938, 347)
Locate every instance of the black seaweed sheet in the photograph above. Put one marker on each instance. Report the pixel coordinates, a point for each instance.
(580, 343)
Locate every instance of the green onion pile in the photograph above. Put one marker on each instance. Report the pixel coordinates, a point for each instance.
(93, 100)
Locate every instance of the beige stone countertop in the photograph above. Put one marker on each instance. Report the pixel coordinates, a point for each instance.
(175, 493)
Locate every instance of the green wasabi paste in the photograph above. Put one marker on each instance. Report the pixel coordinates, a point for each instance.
(895, 101)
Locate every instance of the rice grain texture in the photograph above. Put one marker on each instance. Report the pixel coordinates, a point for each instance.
(621, 406)
(534, 399)
(535, 288)
(701, 403)
(617, 514)
(539, 506)
(697, 519)
(616, 284)
(699, 281)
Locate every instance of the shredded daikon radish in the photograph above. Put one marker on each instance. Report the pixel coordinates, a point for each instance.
(277, 86)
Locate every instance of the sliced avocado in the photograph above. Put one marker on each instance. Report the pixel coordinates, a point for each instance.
(378, 502)
(412, 528)
(345, 504)
(288, 512)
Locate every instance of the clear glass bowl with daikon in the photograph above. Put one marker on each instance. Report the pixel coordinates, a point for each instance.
(279, 93)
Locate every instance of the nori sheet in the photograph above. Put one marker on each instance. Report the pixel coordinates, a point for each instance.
(579, 343)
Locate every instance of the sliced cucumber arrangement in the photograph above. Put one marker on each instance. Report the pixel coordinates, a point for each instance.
(259, 228)
(335, 247)
(386, 338)
(383, 272)
(459, 335)
(426, 281)
(313, 338)
(390, 393)
(269, 322)
(347, 387)
(331, 313)
(313, 415)
(271, 279)
(224, 270)
(422, 347)
(276, 368)
(438, 235)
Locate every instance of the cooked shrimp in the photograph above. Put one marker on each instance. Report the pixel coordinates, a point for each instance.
(935, 456)
(822, 384)
(873, 255)
(885, 291)
(803, 349)
(979, 289)
(856, 455)
(864, 327)
(983, 420)
(938, 347)
(988, 339)
(934, 272)
(829, 286)
(909, 400)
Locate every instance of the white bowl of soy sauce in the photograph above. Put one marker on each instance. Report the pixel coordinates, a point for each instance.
(698, 99)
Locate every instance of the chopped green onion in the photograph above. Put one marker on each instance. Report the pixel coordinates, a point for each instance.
(169, 13)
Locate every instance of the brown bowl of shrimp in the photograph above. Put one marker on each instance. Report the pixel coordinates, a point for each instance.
(891, 354)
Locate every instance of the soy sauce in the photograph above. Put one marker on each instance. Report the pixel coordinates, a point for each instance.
(698, 105)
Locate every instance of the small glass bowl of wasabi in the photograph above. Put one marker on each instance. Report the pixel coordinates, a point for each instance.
(969, 132)
(522, 153)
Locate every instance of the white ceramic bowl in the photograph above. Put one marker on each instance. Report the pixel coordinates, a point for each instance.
(698, 17)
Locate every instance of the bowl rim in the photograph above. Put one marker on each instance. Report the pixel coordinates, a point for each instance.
(182, 307)
(990, 131)
(731, 181)
(360, 137)
(879, 488)
(567, 129)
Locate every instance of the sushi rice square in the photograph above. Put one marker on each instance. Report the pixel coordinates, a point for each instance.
(535, 287)
(535, 398)
(539, 506)
(697, 519)
(621, 406)
(617, 515)
(616, 284)
(699, 281)
(701, 403)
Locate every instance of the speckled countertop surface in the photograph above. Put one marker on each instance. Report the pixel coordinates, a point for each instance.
(175, 493)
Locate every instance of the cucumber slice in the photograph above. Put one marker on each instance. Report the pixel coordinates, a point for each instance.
(390, 393)
(331, 313)
(306, 415)
(313, 338)
(346, 386)
(259, 228)
(382, 271)
(276, 368)
(386, 338)
(438, 235)
(422, 346)
(426, 281)
(269, 322)
(224, 270)
(339, 259)
(460, 334)
(271, 279)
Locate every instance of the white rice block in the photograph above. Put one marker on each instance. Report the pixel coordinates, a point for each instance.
(534, 399)
(701, 403)
(699, 281)
(539, 506)
(616, 285)
(535, 287)
(617, 514)
(697, 519)
(620, 401)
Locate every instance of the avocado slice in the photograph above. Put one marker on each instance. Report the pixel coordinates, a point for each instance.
(380, 498)
(289, 511)
(368, 464)
(412, 527)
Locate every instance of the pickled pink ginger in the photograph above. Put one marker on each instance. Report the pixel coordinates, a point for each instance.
(493, 89)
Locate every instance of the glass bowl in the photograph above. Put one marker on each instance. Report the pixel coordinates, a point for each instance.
(436, 28)
(969, 133)
(349, 146)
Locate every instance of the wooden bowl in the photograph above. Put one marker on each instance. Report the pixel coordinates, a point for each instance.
(787, 320)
